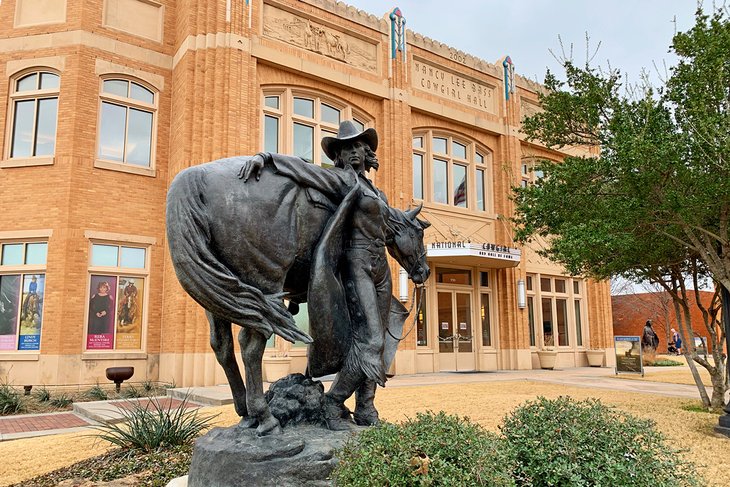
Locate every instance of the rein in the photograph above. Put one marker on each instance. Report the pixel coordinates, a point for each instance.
(421, 289)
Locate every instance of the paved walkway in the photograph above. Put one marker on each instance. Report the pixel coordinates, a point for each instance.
(87, 414)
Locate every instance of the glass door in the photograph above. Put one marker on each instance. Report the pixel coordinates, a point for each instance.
(456, 336)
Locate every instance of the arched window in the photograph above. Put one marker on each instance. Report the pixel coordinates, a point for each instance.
(127, 123)
(34, 114)
(294, 122)
(529, 173)
(451, 170)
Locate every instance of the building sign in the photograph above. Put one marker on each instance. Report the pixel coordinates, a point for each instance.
(628, 354)
(469, 249)
(454, 87)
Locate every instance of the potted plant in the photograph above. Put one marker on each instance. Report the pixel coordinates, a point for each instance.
(548, 355)
(276, 366)
(595, 357)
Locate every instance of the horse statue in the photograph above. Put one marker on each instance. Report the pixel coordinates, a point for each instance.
(239, 249)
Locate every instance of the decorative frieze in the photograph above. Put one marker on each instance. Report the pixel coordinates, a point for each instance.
(305, 33)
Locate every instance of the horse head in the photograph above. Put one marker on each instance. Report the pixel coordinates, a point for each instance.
(405, 242)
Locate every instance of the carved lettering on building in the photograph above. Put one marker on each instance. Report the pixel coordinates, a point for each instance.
(452, 86)
(301, 32)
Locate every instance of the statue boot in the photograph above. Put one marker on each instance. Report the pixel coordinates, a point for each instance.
(365, 412)
(336, 414)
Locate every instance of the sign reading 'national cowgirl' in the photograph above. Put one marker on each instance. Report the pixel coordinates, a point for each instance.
(470, 249)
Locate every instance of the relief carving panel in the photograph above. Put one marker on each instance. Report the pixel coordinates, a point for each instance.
(143, 18)
(301, 32)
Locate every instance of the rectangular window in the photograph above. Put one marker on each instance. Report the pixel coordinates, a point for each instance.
(545, 284)
(330, 114)
(529, 283)
(272, 102)
(445, 275)
(116, 307)
(271, 134)
(578, 324)
(304, 107)
(421, 321)
(459, 150)
(576, 287)
(304, 141)
(481, 203)
(484, 279)
(22, 292)
(531, 319)
(439, 145)
(486, 323)
(440, 181)
(560, 285)
(461, 195)
(561, 307)
(547, 322)
(113, 127)
(418, 176)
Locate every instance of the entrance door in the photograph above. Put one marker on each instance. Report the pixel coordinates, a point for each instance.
(456, 337)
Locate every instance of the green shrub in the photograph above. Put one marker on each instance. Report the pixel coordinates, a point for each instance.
(151, 425)
(11, 402)
(61, 401)
(130, 392)
(577, 443)
(433, 449)
(97, 393)
(666, 363)
(42, 394)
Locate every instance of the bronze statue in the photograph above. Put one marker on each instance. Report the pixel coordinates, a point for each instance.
(305, 233)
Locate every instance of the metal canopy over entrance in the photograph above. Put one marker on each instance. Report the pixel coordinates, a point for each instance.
(473, 254)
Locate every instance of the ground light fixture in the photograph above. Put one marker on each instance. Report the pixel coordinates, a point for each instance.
(119, 375)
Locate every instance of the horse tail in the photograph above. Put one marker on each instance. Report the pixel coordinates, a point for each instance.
(204, 277)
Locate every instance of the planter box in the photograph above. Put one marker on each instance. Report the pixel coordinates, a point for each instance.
(276, 367)
(595, 357)
(547, 358)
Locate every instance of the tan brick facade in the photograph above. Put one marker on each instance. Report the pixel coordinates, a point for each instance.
(208, 72)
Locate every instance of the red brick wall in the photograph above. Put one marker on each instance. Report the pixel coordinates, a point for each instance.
(630, 312)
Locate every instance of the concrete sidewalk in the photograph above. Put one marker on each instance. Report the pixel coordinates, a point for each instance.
(87, 414)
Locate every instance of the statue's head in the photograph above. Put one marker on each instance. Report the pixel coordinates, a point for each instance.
(349, 133)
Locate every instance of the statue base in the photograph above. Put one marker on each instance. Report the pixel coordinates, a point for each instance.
(724, 425)
(302, 455)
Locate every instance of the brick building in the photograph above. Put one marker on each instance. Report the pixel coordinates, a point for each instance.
(630, 312)
(105, 101)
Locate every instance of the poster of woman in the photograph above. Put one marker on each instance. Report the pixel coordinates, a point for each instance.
(9, 300)
(102, 294)
(31, 312)
(129, 313)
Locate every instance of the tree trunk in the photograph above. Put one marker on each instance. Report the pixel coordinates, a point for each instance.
(690, 356)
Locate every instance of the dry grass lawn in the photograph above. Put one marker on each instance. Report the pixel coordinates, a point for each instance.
(485, 403)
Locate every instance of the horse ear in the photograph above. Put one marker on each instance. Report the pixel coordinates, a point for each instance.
(411, 214)
(424, 223)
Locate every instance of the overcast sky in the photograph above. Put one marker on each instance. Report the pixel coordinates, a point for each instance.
(633, 34)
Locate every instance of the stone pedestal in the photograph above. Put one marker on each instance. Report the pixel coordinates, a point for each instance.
(230, 457)
(724, 425)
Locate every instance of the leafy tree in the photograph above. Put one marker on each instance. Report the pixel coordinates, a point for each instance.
(650, 198)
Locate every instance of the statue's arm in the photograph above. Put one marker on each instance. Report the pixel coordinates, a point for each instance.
(333, 183)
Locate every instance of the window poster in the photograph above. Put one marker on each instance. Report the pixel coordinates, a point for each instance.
(9, 301)
(102, 294)
(31, 312)
(129, 313)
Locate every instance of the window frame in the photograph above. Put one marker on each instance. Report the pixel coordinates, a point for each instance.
(571, 298)
(118, 272)
(38, 94)
(23, 270)
(128, 103)
(320, 128)
(478, 158)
